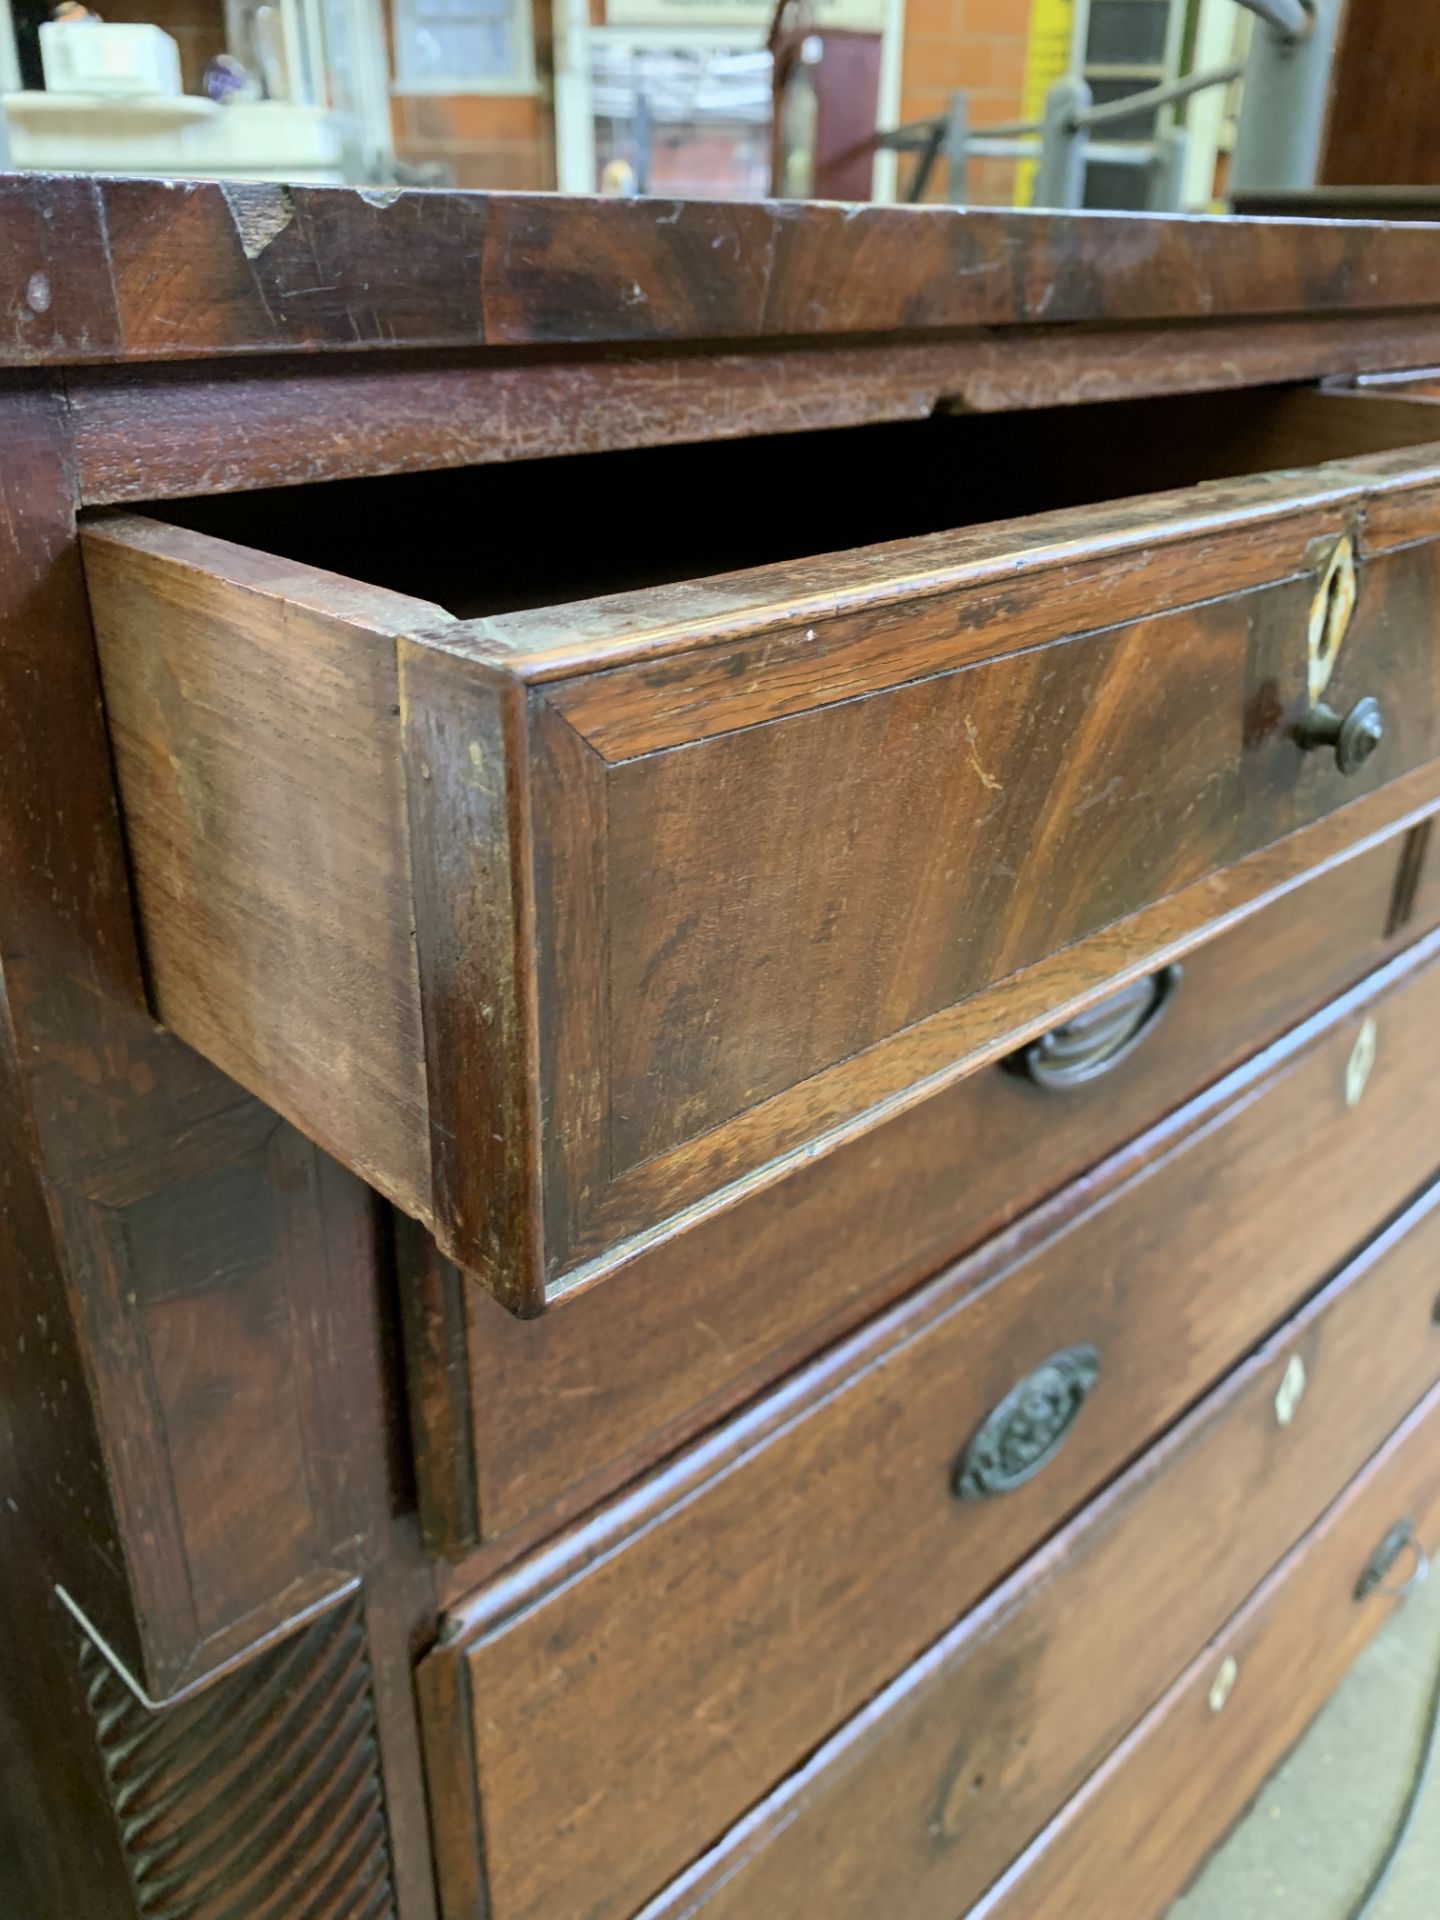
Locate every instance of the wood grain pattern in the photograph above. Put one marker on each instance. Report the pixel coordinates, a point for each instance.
(769, 974)
(52, 1846)
(718, 1636)
(1133, 1835)
(562, 1409)
(944, 1778)
(471, 841)
(1379, 130)
(262, 1795)
(149, 433)
(281, 685)
(103, 270)
(196, 1389)
(1056, 793)
(708, 910)
(205, 1429)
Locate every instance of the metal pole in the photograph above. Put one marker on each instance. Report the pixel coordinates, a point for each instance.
(1155, 97)
(1292, 19)
(1282, 106)
(1167, 175)
(1060, 177)
(574, 111)
(957, 148)
(641, 134)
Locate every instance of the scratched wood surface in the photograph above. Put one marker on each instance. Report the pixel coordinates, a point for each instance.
(529, 1421)
(143, 432)
(107, 269)
(928, 1794)
(218, 1381)
(730, 817)
(1136, 1832)
(262, 765)
(720, 1636)
(194, 1380)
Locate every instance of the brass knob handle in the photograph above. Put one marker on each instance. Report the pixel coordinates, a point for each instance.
(1354, 735)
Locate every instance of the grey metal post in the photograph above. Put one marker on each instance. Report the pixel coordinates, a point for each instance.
(1290, 18)
(1167, 170)
(641, 132)
(957, 148)
(1282, 104)
(1060, 176)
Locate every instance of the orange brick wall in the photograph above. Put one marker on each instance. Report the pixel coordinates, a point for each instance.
(977, 45)
(494, 140)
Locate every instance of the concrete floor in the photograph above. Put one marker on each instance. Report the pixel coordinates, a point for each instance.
(1307, 1847)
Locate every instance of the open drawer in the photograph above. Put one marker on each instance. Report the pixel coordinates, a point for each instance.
(575, 916)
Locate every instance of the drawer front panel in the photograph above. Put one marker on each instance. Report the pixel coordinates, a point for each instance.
(925, 1798)
(703, 1321)
(795, 901)
(826, 880)
(769, 1585)
(1131, 1838)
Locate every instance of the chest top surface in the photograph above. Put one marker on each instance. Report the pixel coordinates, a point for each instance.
(97, 270)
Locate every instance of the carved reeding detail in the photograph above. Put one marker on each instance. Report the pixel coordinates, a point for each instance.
(259, 1798)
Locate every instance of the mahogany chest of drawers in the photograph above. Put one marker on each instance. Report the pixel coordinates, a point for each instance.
(721, 961)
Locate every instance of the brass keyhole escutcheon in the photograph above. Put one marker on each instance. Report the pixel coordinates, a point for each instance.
(1330, 613)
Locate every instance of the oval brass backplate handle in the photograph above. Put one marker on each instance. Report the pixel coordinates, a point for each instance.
(1028, 1428)
(1093, 1042)
(1354, 735)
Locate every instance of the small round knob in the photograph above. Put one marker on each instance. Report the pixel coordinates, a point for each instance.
(1354, 735)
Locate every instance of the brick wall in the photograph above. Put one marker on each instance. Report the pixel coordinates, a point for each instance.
(491, 140)
(977, 45)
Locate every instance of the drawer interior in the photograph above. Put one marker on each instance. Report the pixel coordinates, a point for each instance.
(480, 541)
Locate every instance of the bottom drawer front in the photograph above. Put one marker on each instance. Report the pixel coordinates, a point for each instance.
(1129, 1840)
(924, 1798)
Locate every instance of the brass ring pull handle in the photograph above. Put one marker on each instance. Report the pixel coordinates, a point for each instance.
(1400, 1539)
(1029, 1427)
(1354, 735)
(1097, 1040)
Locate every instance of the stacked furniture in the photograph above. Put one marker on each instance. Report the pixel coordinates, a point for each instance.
(722, 1039)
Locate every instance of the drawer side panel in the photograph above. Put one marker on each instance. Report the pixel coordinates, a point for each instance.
(253, 714)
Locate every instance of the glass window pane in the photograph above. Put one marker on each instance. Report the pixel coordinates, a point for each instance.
(1127, 32)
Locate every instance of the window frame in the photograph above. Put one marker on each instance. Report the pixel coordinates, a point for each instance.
(522, 79)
